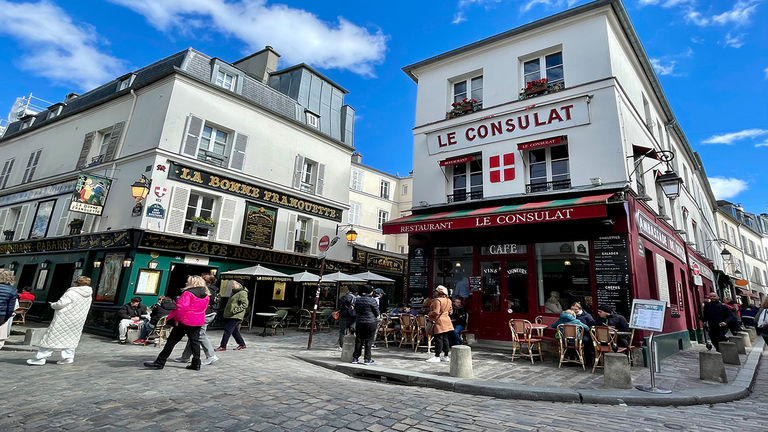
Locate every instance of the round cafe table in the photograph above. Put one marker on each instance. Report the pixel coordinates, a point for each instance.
(266, 316)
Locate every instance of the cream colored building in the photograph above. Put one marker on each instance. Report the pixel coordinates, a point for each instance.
(741, 235)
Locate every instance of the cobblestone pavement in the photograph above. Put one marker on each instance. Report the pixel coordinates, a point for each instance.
(265, 388)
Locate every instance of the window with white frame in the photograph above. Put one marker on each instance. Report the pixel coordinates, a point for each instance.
(313, 119)
(405, 190)
(225, 80)
(402, 249)
(308, 176)
(355, 209)
(470, 88)
(383, 217)
(548, 168)
(303, 235)
(356, 180)
(104, 145)
(384, 189)
(213, 145)
(29, 172)
(732, 235)
(381, 246)
(199, 217)
(467, 179)
(27, 123)
(547, 66)
(6, 172)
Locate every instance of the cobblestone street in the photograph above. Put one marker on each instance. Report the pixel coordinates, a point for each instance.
(266, 388)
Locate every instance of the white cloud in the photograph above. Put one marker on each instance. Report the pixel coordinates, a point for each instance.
(57, 48)
(696, 18)
(663, 69)
(730, 138)
(727, 187)
(734, 41)
(766, 73)
(665, 4)
(549, 4)
(740, 13)
(459, 18)
(298, 35)
(762, 144)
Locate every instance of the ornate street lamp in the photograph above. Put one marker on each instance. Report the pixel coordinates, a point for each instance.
(670, 184)
(139, 191)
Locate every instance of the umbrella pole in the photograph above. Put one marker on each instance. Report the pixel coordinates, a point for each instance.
(253, 304)
(317, 301)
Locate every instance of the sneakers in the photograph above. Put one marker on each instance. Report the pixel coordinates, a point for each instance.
(445, 359)
(210, 360)
(433, 360)
(368, 362)
(139, 342)
(354, 360)
(220, 349)
(65, 361)
(239, 347)
(122, 341)
(181, 360)
(36, 362)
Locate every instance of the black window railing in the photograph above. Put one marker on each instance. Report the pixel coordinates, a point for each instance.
(464, 196)
(212, 158)
(548, 186)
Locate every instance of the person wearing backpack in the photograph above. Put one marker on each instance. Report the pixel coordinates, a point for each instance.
(347, 315)
(210, 314)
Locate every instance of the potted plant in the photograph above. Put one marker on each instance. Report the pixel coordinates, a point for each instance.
(463, 107)
(204, 221)
(302, 245)
(535, 87)
(76, 226)
(9, 234)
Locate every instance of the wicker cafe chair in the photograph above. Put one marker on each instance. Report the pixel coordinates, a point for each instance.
(305, 319)
(21, 312)
(407, 330)
(423, 335)
(385, 331)
(463, 333)
(521, 335)
(538, 320)
(158, 334)
(571, 336)
(604, 339)
(278, 321)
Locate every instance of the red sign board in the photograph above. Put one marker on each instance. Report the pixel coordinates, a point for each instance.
(324, 243)
(457, 160)
(695, 269)
(539, 143)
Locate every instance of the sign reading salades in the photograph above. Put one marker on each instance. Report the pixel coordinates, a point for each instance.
(560, 115)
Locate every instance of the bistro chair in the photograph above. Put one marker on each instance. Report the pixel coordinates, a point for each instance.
(323, 319)
(278, 321)
(538, 320)
(21, 312)
(385, 331)
(305, 319)
(521, 335)
(158, 334)
(407, 330)
(571, 336)
(423, 333)
(463, 333)
(604, 339)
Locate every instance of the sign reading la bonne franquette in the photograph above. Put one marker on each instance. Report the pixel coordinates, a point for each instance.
(546, 118)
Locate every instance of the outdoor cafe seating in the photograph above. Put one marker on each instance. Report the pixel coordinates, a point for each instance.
(604, 338)
(571, 338)
(522, 337)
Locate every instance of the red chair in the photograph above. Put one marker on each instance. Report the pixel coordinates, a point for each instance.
(521, 335)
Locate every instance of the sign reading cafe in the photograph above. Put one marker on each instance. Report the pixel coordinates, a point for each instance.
(90, 194)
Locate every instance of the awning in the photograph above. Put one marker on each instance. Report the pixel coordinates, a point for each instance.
(373, 277)
(545, 211)
(531, 145)
(645, 151)
(458, 160)
(258, 272)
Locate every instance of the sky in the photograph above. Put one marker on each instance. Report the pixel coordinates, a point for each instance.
(711, 58)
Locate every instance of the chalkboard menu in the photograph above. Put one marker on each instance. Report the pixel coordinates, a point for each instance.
(418, 271)
(258, 225)
(475, 283)
(612, 273)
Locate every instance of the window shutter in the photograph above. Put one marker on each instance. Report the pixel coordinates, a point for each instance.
(290, 241)
(22, 223)
(82, 161)
(88, 222)
(237, 160)
(114, 139)
(320, 179)
(297, 167)
(192, 136)
(226, 220)
(314, 237)
(178, 210)
(3, 215)
(7, 168)
(61, 225)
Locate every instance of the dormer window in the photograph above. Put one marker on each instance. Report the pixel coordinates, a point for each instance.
(225, 80)
(27, 122)
(54, 110)
(125, 81)
(313, 119)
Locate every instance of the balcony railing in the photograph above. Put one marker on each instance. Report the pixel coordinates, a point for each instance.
(464, 196)
(212, 158)
(548, 186)
(8, 235)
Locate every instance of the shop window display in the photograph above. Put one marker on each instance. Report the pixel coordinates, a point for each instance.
(563, 276)
(452, 268)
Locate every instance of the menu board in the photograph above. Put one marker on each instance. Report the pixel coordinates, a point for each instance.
(475, 283)
(612, 273)
(258, 225)
(647, 315)
(418, 271)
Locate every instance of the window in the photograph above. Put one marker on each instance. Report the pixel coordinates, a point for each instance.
(29, 172)
(685, 176)
(383, 217)
(743, 244)
(639, 177)
(696, 233)
(354, 213)
(55, 111)
(563, 275)
(225, 80)
(313, 120)
(647, 111)
(660, 198)
(199, 211)
(548, 169)
(384, 189)
(105, 137)
(302, 235)
(402, 249)
(467, 181)
(732, 235)
(405, 190)
(308, 175)
(27, 123)
(356, 181)
(213, 146)
(471, 88)
(381, 246)
(549, 67)
(125, 82)
(6, 172)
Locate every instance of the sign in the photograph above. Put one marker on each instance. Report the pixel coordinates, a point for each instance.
(457, 160)
(258, 225)
(695, 269)
(530, 145)
(545, 118)
(37, 193)
(324, 243)
(703, 269)
(697, 280)
(659, 235)
(501, 167)
(504, 249)
(258, 193)
(90, 194)
(418, 271)
(475, 283)
(647, 315)
(156, 211)
(375, 261)
(612, 272)
(86, 241)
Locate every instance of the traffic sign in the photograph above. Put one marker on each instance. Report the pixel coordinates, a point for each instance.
(324, 243)
(695, 269)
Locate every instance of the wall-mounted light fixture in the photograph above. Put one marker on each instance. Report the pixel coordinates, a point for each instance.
(44, 264)
(214, 271)
(726, 254)
(153, 263)
(670, 184)
(351, 233)
(139, 191)
(127, 262)
(566, 263)
(79, 264)
(12, 265)
(97, 263)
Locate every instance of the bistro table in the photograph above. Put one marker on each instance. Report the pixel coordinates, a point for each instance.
(539, 328)
(266, 316)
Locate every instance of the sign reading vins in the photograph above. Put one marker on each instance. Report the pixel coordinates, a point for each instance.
(259, 225)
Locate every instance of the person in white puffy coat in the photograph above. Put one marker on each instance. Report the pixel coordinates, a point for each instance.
(67, 325)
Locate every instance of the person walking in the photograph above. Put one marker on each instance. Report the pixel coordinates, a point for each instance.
(762, 320)
(367, 312)
(9, 301)
(188, 317)
(67, 324)
(717, 316)
(234, 312)
(440, 314)
(210, 315)
(347, 315)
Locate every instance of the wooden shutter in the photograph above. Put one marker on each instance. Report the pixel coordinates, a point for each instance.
(88, 223)
(297, 168)
(114, 139)
(226, 219)
(314, 236)
(82, 161)
(320, 179)
(7, 168)
(290, 240)
(3, 215)
(61, 225)
(237, 160)
(178, 211)
(192, 136)
(21, 223)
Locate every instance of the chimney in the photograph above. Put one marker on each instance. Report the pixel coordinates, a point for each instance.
(259, 65)
(357, 157)
(70, 96)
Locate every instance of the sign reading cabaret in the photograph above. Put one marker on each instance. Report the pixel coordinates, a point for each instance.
(86, 241)
(536, 120)
(658, 235)
(516, 218)
(247, 190)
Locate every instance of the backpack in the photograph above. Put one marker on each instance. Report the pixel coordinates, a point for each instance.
(215, 302)
(349, 308)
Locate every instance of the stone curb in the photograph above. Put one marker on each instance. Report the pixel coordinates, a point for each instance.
(738, 389)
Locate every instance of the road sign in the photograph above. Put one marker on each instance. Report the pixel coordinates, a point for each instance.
(695, 269)
(324, 243)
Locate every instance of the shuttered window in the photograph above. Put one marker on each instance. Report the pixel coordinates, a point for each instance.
(6, 172)
(29, 172)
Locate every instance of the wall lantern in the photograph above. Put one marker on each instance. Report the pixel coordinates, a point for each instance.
(152, 264)
(79, 264)
(670, 184)
(127, 262)
(12, 265)
(213, 271)
(44, 264)
(139, 191)
(737, 273)
(351, 233)
(97, 263)
(726, 254)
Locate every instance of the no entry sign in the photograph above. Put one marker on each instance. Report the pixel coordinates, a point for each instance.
(695, 269)
(323, 243)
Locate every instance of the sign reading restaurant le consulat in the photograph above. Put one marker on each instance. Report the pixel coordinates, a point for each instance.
(251, 191)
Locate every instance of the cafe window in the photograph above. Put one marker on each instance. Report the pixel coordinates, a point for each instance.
(563, 276)
(548, 169)
(199, 216)
(471, 88)
(549, 67)
(467, 181)
(452, 267)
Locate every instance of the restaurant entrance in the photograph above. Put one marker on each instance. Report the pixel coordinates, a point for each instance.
(504, 295)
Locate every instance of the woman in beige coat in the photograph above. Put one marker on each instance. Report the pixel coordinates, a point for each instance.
(440, 309)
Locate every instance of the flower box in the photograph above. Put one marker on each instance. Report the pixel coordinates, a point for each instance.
(463, 107)
(536, 89)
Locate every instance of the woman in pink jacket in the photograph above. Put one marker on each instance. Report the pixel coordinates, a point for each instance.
(188, 317)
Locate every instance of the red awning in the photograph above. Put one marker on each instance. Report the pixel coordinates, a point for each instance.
(457, 160)
(645, 151)
(530, 145)
(535, 212)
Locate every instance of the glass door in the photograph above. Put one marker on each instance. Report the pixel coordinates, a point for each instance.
(517, 286)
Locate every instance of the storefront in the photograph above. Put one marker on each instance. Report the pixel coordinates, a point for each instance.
(389, 265)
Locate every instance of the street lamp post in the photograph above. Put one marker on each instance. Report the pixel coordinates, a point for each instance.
(139, 191)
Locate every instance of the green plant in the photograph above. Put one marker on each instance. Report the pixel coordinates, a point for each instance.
(76, 223)
(204, 221)
(304, 243)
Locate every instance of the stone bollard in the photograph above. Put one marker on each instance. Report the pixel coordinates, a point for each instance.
(616, 374)
(739, 341)
(348, 348)
(711, 367)
(461, 361)
(752, 333)
(730, 353)
(747, 340)
(33, 336)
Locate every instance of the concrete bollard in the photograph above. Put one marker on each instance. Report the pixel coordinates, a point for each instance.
(711, 367)
(461, 361)
(616, 374)
(752, 333)
(33, 336)
(747, 339)
(730, 353)
(739, 341)
(348, 348)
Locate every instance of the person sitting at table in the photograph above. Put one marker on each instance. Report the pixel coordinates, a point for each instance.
(586, 318)
(458, 319)
(552, 305)
(26, 295)
(162, 308)
(607, 317)
(131, 314)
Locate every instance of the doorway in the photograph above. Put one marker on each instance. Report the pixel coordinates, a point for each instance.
(504, 295)
(26, 277)
(61, 281)
(177, 279)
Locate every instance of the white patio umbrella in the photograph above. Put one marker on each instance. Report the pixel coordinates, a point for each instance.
(372, 277)
(258, 273)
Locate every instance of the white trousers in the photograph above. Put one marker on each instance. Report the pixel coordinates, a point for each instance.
(122, 327)
(68, 353)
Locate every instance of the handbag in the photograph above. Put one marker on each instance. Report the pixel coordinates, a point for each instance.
(335, 315)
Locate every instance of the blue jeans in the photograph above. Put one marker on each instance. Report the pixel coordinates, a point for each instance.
(230, 329)
(144, 330)
(457, 329)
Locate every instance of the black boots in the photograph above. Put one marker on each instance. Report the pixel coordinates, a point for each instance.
(159, 363)
(195, 365)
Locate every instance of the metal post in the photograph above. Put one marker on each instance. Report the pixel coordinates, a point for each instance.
(652, 366)
(317, 301)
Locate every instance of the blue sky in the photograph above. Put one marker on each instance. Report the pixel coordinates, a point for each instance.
(711, 58)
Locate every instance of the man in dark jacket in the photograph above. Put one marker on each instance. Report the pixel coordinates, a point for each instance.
(717, 316)
(365, 326)
(8, 295)
(161, 309)
(458, 319)
(607, 317)
(347, 314)
(130, 314)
